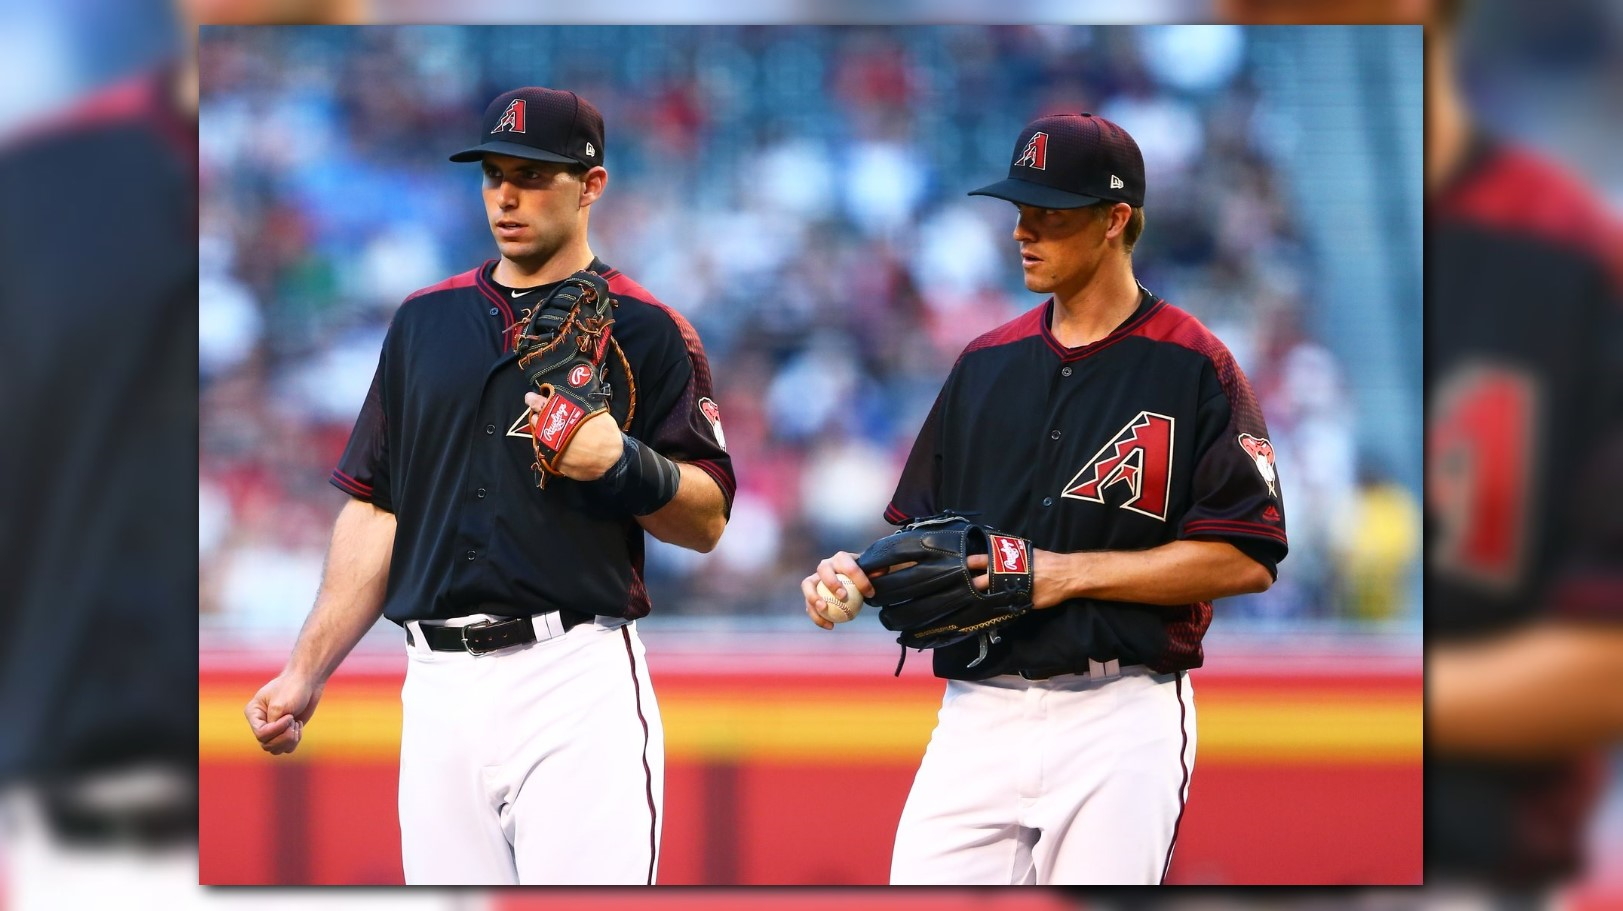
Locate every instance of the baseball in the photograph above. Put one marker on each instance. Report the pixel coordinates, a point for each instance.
(834, 610)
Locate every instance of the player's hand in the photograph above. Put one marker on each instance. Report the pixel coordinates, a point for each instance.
(593, 450)
(1047, 586)
(278, 712)
(841, 562)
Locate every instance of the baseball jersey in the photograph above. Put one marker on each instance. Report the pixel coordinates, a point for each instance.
(1524, 370)
(98, 466)
(443, 442)
(1147, 436)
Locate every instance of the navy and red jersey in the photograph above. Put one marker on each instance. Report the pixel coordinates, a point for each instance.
(98, 464)
(1147, 436)
(443, 442)
(1524, 422)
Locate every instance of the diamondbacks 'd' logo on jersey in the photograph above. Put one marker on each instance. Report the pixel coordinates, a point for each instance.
(712, 413)
(1262, 455)
(1035, 154)
(1008, 556)
(1139, 456)
(512, 118)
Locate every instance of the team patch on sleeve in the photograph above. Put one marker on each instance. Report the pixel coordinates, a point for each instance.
(712, 413)
(1262, 455)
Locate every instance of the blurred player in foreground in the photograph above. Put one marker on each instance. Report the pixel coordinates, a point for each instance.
(1524, 540)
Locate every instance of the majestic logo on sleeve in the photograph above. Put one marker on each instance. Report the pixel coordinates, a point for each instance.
(1008, 555)
(1138, 457)
(512, 118)
(1262, 455)
(712, 413)
(1035, 154)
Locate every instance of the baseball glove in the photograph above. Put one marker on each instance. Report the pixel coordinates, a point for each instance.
(562, 346)
(929, 598)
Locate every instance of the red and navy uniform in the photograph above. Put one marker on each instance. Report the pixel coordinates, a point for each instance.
(1524, 415)
(98, 464)
(443, 442)
(1147, 436)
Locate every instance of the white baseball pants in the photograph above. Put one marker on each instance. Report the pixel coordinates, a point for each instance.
(539, 764)
(1077, 780)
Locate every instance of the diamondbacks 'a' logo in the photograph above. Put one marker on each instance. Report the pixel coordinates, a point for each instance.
(712, 413)
(1140, 457)
(512, 118)
(1262, 455)
(1035, 154)
(1008, 556)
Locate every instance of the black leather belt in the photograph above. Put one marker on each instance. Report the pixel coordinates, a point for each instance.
(489, 635)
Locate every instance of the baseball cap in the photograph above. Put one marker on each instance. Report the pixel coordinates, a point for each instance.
(540, 124)
(1066, 161)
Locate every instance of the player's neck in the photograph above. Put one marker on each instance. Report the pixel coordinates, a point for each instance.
(1091, 312)
(562, 264)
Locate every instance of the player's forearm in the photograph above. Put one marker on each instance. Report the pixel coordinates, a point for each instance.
(695, 517)
(1544, 692)
(353, 584)
(1180, 572)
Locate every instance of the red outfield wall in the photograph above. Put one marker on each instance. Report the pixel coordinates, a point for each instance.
(783, 772)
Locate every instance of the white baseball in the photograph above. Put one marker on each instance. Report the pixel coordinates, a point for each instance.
(833, 609)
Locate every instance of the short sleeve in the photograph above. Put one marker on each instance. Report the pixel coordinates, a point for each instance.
(684, 418)
(1235, 490)
(919, 488)
(363, 469)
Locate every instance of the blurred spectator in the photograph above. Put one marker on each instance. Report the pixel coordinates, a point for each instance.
(1380, 551)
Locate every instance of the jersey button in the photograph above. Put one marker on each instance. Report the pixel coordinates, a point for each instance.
(490, 428)
(472, 554)
(1054, 435)
(1047, 501)
(480, 493)
(493, 311)
(1065, 371)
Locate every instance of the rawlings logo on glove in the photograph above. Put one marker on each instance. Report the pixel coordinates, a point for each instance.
(561, 346)
(925, 589)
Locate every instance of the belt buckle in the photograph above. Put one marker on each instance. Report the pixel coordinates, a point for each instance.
(482, 624)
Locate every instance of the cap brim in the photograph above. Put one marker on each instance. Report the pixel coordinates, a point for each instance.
(515, 149)
(1026, 193)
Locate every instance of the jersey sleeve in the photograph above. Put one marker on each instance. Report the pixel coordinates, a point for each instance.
(918, 490)
(684, 418)
(1235, 489)
(363, 469)
(1587, 583)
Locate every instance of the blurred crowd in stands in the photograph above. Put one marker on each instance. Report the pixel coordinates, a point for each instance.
(798, 194)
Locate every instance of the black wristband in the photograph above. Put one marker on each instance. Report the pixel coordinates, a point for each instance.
(641, 482)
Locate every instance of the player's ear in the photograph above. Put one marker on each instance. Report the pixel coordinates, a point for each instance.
(592, 184)
(1116, 218)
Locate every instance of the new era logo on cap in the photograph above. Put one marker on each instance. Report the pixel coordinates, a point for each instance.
(542, 125)
(1066, 161)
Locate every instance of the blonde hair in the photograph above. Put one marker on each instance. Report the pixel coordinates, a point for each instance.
(1135, 222)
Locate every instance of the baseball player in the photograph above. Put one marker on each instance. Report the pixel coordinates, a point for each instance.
(99, 754)
(1119, 440)
(1524, 541)
(531, 750)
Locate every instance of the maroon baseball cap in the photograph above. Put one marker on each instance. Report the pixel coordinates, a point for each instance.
(1066, 161)
(540, 124)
